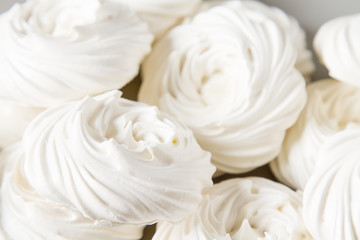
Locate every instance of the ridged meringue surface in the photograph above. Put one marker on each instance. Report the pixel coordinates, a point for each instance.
(337, 45)
(56, 51)
(242, 209)
(288, 24)
(25, 215)
(116, 159)
(13, 121)
(229, 74)
(161, 15)
(331, 197)
(332, 107)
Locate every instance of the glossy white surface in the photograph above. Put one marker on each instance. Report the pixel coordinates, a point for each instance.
(55, 51)
(311, 15)
(229, 73)
(115, 159)
(242, 209)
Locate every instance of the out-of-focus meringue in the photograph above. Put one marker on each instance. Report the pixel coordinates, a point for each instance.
(332, 107)
(332, 197)
(288, 24)
(251, 208)
(27, 215)
(55, 51)
(116, 159)
(13, 121)
(337, 45)
(229, 74)
(161, 15)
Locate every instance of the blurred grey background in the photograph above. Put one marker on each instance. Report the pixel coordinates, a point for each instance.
(310, 13)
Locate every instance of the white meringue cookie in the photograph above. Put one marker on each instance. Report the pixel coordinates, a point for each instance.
(288, 24)
(337, 45)
(332, 107)
(26, 215)
(242, 209)
(55, 51)
(331, 197)
(13, 121)
(116, 159)
(230, 75)
(161, 15)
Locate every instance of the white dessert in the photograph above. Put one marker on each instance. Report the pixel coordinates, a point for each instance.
(337, 45)
(14, 118)
(288, 24)
(331, 197)
(230, 75)
(25, 215)
(161, 15)
(116, 159)
(55, 51)
(250, 208)
(332, 107)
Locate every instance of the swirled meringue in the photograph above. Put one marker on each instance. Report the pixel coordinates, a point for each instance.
(337, 45)
(27, 215)
(288, 24)
(116, 159)
(13, 121)
(161, 15)
(250, 208)
(332, 107)
(55, 51)
(230, 76)
(331, 197)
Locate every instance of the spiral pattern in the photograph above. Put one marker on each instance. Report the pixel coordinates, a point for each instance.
(116, 159)
(230, 76)
(331, 197)
(337, 45)
(26, 215)
(55, 51)
(249, 208)
(332, 108)
(288, 24)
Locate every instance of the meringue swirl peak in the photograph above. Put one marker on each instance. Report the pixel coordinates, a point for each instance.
(56, 51)
(117, 160)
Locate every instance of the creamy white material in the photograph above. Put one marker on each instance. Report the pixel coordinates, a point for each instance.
(332, 197)
(337, 45)
(116, 159)
(332, 107)
(14, 118)
(161, 15)
(288, 24)
(242, 209)
(25, 215)
(55, 51)
(229, 74)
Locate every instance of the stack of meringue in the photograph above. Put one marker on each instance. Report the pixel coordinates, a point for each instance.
(320, 154)
(90, 164)
(225, 90)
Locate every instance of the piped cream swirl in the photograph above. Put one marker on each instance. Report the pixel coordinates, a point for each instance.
(116, 159)
(26, 215)
(251, 208)
(332, 108)
(337, 45)
(331, 197)
(56, 51)
(288, 24)
(230, 76)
